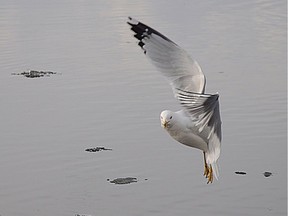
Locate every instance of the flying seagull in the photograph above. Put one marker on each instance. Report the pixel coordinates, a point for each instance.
(198, 124)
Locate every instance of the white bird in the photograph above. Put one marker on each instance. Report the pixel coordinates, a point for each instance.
(198, 124)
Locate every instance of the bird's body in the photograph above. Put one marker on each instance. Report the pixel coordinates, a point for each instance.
(198, 124)
(183, 131)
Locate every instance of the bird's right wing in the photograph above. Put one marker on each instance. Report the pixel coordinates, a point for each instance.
(205, 113)
(180, 69)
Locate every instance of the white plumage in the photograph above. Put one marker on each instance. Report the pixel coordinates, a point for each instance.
(198, 124)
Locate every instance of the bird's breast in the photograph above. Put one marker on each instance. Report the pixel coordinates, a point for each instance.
(189, 138)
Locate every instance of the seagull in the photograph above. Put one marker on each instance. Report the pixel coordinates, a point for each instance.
(198, 124)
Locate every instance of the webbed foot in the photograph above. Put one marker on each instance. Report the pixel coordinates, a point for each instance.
(210, 175)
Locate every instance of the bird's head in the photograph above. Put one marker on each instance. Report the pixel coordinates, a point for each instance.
(167, 119)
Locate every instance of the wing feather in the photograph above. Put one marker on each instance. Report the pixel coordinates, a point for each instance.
(205, 113)
(181, 70)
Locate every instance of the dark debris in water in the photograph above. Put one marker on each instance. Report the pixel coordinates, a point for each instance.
(240, 173)
(83, 215)
(97, 149)
(126, 180)
(35, 73)
(267, 174)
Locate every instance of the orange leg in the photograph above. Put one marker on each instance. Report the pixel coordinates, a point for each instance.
(210, 175)
(206, 169)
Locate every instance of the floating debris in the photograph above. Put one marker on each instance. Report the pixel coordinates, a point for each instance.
(240, 173)
(97, 149)
(267, 174)
(83, 215)
(126, 180)
(35, 73)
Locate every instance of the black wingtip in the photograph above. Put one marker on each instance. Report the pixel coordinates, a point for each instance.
(143, 31)
(129, 18)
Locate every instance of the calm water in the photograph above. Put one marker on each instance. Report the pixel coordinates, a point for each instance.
(106, 93)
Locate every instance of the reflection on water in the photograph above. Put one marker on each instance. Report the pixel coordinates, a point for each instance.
(109, 95)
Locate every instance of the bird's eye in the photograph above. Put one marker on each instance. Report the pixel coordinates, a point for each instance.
(170, 117)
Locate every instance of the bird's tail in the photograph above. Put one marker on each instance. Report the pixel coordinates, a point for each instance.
(215, 170)
(213, 154)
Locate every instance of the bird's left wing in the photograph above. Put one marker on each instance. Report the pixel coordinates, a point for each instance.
(181, 70)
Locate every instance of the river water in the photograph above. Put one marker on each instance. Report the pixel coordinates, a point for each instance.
(107, 94)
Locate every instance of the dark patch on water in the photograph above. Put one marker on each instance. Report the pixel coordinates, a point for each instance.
(267, 174)
(126, 180)
(97, 149)
(83, 215)
(240, 173)
(35, 73)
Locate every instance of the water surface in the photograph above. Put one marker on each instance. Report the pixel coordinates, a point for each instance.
(106, 93)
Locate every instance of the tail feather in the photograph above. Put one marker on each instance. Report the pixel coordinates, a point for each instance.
(215, 170)
(213, 154)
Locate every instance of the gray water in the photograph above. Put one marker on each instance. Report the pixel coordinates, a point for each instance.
(106, 93)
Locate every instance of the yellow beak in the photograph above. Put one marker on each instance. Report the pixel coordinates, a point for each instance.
(165, 124)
